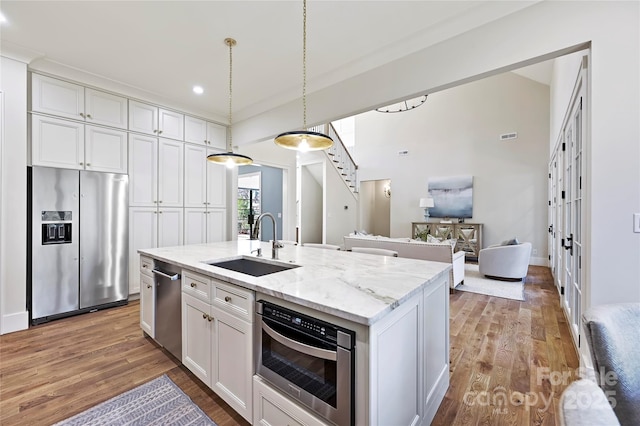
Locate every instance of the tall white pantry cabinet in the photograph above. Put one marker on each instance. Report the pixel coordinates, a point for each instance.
(175, 196)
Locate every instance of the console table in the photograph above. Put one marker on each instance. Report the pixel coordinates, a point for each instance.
(468, 236)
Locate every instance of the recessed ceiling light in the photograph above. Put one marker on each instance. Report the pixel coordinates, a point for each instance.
(198, 90)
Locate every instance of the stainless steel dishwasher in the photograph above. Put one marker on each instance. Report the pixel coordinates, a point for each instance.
(168, 327)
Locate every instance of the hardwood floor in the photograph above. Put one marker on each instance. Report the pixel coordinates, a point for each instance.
(502, 355)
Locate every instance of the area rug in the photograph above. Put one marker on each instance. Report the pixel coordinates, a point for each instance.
(158, 402)
(476, 283)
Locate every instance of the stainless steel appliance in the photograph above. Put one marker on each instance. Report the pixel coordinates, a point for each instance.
(77, 243)
(310, 360)
(168, 326)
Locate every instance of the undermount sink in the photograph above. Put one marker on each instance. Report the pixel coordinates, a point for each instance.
(251, 266)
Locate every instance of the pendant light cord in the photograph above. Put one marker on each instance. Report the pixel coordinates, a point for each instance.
(304, 65)
(230, 139)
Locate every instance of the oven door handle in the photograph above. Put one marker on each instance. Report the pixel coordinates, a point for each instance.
(300, 347)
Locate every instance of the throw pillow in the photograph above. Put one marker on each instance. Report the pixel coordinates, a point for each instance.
(512, 242)
(433, 240)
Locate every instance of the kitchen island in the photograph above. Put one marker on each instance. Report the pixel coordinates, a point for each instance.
(397, 307)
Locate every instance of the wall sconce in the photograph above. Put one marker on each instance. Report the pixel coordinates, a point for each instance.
(387, 190)
(426, 203)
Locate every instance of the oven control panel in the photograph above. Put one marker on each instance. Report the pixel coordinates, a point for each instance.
(312, 326)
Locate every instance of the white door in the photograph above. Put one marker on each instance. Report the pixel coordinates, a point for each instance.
(170, 227)
(171, 124)
(216, 225)
(197, 324)
(57, 97)
(143, 118)
(195, 130)
(195, 168)
(147, 305)
(170, 177)
(105, 108)
(57, 143)
(195, 226)
(216, 184)
(143, 171)
(143, 234)
(105, 150)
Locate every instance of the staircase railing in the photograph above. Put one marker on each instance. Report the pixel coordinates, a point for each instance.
(340, 157)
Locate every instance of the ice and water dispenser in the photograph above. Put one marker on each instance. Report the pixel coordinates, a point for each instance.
(56, 227)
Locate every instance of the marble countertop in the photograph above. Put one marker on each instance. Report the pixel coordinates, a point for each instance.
(357, 287)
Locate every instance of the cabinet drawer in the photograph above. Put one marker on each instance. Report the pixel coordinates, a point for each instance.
(233, 299)
(197, 285)
(271, 408)
(146, 266)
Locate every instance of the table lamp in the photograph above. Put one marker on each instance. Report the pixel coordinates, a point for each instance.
(426, 203)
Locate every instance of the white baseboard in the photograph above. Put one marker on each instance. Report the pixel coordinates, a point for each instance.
(539, 261)
(15, 322)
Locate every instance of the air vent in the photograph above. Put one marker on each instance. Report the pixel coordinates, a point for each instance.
(508, 136)
(403, 153)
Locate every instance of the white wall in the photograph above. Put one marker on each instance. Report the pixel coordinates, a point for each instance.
(456, 132)
(311, 203)
(540, 32)
(565, 73)
(340, 206)
(13, 244)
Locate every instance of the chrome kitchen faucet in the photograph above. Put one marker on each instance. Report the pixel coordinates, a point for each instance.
(275, 244)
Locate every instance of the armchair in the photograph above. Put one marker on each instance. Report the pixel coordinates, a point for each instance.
(505, 261)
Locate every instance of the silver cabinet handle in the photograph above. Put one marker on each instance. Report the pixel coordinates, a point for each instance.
(88, 164)
(209, 318)
(148, 286)
(159, 132)
(89, 116)
(82, 114)
(227, 299)
(193, 285)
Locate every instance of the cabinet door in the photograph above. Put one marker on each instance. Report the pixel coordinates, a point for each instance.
(147, 305)
(170, 177)
(232, 362)
(195, 176)
(170, 124)
(143, 234)
(195, 226)
(105, 108)
(143, 118)
(57, 143)
(143, 170)
(217, 136)
(170, 223)
(57, 97)
(196, 337)
(105, 150)
(216, 225)
(271, 407)
(216, 184)
(195, 130)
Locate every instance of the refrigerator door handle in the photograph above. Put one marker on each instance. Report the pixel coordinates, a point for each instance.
(172, 277)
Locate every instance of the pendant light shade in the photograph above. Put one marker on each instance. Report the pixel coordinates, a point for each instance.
(229, 158)
(304, 140)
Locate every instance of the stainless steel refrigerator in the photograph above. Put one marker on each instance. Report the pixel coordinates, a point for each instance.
(78, 242)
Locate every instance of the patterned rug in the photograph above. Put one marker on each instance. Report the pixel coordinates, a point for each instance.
(158, 402)
(476, 283)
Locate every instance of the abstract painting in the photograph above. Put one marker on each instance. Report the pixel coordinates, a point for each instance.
(452, 196)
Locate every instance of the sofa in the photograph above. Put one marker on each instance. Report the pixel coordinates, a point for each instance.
(414, 249)
(510, 261)
(611, 330)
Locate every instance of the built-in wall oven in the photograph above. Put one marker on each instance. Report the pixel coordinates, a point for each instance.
(309, 359)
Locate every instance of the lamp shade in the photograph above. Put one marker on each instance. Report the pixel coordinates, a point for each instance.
(426, 202)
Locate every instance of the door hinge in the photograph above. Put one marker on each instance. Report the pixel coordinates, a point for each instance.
(579, 340)
(549, 202)
(564, 146)
(580, 182)
(549, 257)
(549, 175)
(563, 195)
(579, 262)
(562, 242)
(562, 290)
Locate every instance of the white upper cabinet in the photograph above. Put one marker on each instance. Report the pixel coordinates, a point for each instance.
(216, 184)
(57, 143)
(149, 119)
(105, 150)
(170, 176)
(204, 132)
(68, 100)
(57, 97)
(105, 109)
(143, 171)
(195, 169)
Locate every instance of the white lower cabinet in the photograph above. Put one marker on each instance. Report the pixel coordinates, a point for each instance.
(217, 344)
(271, 408)
(147, 297)
(204, 225)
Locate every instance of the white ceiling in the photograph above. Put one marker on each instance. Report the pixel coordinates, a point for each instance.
(165, 47)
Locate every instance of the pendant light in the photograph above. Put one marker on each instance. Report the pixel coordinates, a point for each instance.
(304, 140)
(229, 158)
